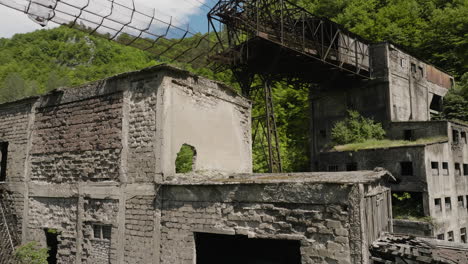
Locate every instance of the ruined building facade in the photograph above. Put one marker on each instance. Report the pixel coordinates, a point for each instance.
(90, 172)
(404, 95)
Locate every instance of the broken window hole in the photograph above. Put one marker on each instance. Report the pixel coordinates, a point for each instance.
(3, 160)
(186, 158)
(52, 244)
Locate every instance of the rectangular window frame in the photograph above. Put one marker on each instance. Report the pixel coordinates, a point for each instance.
(450, 236)
(463, 235)
(438, 205)
(406, 168)
(461, 202)
(445, 169)
(448, 204)
(102, 232)
(435, 168)
(457, 167)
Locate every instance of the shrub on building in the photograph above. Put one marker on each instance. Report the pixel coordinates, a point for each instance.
(31, 253)
(356, 129)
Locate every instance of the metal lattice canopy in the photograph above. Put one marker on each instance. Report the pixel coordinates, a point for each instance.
(123, 21)
(279, 38)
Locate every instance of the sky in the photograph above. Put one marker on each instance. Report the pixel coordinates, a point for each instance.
(183, 11)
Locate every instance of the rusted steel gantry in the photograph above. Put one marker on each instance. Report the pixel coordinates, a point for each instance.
(281, 42)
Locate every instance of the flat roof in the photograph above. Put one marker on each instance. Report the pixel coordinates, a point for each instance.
(342, 177)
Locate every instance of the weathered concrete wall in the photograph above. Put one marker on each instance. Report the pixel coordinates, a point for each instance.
(388, 158)
(419, 129)
(411, 92)
(208, 116)
(415, 228)
(327, 226)
(449, 183)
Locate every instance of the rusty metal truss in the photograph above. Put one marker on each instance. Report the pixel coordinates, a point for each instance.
(279, 22)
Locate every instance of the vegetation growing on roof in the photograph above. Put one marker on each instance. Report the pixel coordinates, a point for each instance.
(387, 143)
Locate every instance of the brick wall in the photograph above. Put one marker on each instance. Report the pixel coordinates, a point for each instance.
(139, 229)
(55, 213)
(99, 211)
(322, 230)
(80, 140)
(142, 130)
(14, 130)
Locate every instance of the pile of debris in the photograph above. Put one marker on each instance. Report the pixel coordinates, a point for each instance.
(409, 249)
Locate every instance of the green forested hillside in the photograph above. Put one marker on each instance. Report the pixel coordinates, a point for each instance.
(435, 30)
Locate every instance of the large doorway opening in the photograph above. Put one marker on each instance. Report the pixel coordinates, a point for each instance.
(52, 244)
(227, 249)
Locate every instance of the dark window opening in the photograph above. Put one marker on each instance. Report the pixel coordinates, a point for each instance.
(227, 249)
(450, 236)
(186, 158)
(441, 237)
(406, 168)
(406, 205)
(438, 205)
(445, 168)
(463, 235)
(436, 103)
(3, 160)
(102, 232)
(457, 169)
(351, 166)
(52, 245)
(448, 204)
(332, 167)
(463, 137)
(421, 71)
(465, 169)
(408, 135)
(466, 201)
(413, 68)
(323, 133)
(461, 203)
(435, 168)
(455, 138)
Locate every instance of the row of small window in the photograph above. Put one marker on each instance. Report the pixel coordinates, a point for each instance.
(448, 203)
(445, 169)
(450, 236)
(349, 167)
(456, 137)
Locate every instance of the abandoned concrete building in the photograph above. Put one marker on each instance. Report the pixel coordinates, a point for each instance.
(433, 167)
(90, 173)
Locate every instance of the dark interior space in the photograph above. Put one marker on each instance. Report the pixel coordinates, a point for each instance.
(407, 205)
(3, 160)
(436, 103)
(230, 249)
(52, 245)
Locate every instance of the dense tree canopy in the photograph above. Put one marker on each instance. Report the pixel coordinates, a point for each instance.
(434, 30)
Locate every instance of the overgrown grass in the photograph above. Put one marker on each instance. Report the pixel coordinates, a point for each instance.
(386, 143)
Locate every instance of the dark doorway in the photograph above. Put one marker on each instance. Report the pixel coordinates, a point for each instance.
(226, 249)
(3, 160)
(52, 245)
